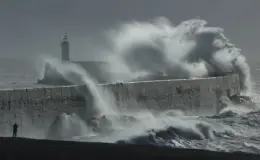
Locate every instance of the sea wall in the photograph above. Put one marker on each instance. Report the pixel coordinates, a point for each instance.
(36, 108)
(190, 95)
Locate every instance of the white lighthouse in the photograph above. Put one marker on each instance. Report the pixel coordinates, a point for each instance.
(65, 48)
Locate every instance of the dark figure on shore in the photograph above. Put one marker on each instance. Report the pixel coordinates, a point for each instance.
(15, 127)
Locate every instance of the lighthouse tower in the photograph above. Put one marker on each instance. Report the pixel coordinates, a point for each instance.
(65, 48)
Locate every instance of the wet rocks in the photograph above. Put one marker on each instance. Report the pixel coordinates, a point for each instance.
(243, 100)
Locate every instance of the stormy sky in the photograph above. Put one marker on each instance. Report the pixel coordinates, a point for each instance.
(32, 27)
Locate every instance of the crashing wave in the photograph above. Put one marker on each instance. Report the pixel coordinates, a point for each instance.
(149, 50)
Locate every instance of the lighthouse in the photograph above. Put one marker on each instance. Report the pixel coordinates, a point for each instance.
(65, 48)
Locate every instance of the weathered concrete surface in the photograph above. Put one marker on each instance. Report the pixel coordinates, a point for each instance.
(191, 95)
(21, 148)
(38, 107)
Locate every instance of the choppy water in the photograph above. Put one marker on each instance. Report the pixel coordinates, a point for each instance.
(224, 133)
(236, 129)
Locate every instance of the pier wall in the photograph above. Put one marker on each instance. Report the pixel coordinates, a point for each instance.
(191, 95)
(37, 107)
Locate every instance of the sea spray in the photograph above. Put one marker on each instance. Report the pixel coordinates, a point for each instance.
(190, 49)
(176, 124)
(66, 126)
(102, 97)
(77, 75)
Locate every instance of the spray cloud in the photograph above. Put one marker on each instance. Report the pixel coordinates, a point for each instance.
(190, 49)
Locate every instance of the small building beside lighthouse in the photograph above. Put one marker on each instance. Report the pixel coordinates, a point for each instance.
(97, 69)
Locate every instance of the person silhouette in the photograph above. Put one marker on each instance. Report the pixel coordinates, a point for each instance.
(15, 127)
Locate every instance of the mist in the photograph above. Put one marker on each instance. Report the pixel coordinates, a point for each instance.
(191, 49)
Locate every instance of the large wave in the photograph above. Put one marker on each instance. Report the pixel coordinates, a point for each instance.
(190, 49)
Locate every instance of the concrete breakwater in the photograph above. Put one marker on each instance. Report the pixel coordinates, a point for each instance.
(38, 107)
